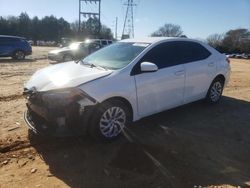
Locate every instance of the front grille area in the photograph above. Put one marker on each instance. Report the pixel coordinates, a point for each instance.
(36, 98)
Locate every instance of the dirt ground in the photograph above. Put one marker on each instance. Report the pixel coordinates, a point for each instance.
(196, 145)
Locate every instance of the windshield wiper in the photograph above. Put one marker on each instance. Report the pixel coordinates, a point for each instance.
(92, 65)
(77, 61)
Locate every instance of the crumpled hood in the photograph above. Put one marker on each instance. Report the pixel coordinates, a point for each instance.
(64, 75)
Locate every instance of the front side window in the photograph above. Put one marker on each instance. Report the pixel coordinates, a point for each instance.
(115, 56)
(163, 55)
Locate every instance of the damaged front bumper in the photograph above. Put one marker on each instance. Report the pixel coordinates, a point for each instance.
(58, 113)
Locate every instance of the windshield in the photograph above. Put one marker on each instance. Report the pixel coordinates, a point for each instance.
(115, 56)
(74, 45)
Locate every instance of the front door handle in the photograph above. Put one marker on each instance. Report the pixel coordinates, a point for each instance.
(179, 73)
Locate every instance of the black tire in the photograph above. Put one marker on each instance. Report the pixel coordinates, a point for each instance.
(215, 91)
(68, 57)
(18, 55)
(98, 130)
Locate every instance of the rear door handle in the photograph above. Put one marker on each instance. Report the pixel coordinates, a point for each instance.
(211, 64)
(179, 73)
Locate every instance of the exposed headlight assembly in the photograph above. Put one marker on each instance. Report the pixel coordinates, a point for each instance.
(64, 96)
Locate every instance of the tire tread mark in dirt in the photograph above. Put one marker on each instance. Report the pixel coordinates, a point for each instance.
(131, 137)
(11, 97)
(17, 145)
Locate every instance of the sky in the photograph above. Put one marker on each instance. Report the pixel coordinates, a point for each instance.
(197, 18)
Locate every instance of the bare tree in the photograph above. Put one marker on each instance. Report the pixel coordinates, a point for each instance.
(233, 41)
(168, 30)
(215, 40)
(237, 40)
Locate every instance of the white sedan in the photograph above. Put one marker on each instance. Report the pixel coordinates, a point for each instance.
(124, 82)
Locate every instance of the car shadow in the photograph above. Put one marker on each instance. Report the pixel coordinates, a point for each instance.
(197, 144)
(5, 60)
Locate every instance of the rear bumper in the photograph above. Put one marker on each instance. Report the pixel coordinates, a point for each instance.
(28, 52)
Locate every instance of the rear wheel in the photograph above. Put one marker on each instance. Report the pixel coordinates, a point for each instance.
(19, 55)
(215, 91)
(109, 120)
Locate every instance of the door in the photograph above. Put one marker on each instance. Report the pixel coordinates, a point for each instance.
(200, 70)
(163, 89)
(5, 46)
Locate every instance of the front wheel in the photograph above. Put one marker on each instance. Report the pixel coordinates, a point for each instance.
(19, 55)
(109, 120)
(215, 91)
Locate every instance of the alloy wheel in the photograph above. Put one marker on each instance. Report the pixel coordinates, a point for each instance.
(216, 91)
(19, 55)
(112, 122)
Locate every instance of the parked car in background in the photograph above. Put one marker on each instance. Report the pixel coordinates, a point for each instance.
(65, 42)
(31, 42)
(76, 50)
(15, 47)
(245, 56)
(231, 55)
(124, 82)
(239, 56)
(102, 42)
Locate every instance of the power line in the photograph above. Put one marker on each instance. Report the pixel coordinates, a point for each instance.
(128, 27)
(89, 13)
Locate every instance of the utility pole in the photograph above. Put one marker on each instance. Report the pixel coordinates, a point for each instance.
(128, 27)
(89, 14)
(116, 22)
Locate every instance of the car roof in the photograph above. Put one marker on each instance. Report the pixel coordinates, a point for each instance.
(152, 40)
(9, 36)
(78, 42)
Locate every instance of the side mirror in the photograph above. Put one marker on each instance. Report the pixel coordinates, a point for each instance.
(148, 67)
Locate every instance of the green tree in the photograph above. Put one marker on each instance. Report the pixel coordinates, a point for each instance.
(106, 33)
(50, 28)
(24, 25)
(92, 26)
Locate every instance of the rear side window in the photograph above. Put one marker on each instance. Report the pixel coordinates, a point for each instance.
(15, 39)
(9, 40)
(4, 40)
(191, 51)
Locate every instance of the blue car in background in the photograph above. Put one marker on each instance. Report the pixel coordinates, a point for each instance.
(15, 47)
